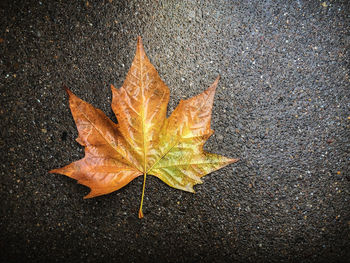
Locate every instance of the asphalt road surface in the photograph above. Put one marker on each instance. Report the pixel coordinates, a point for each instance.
(282, 107)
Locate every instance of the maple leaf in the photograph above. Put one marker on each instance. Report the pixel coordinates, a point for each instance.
(144, 142)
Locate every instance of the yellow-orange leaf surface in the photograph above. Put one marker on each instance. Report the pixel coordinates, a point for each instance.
(144, 142)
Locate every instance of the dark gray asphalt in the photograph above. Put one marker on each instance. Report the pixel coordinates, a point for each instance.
(282, 106)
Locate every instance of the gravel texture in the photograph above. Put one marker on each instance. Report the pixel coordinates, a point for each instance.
(282, 107)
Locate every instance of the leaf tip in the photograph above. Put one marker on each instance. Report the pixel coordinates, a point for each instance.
(233, 160)
(140, 44)
(53, 171)
(68, 91)
(215, 84)
(62, 170)
(211, 90)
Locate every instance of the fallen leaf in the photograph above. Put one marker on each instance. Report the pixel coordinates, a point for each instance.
(144, 142)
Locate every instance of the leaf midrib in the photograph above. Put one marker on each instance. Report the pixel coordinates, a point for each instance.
(143, 115)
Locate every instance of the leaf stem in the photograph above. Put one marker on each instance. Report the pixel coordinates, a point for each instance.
(143, 194)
